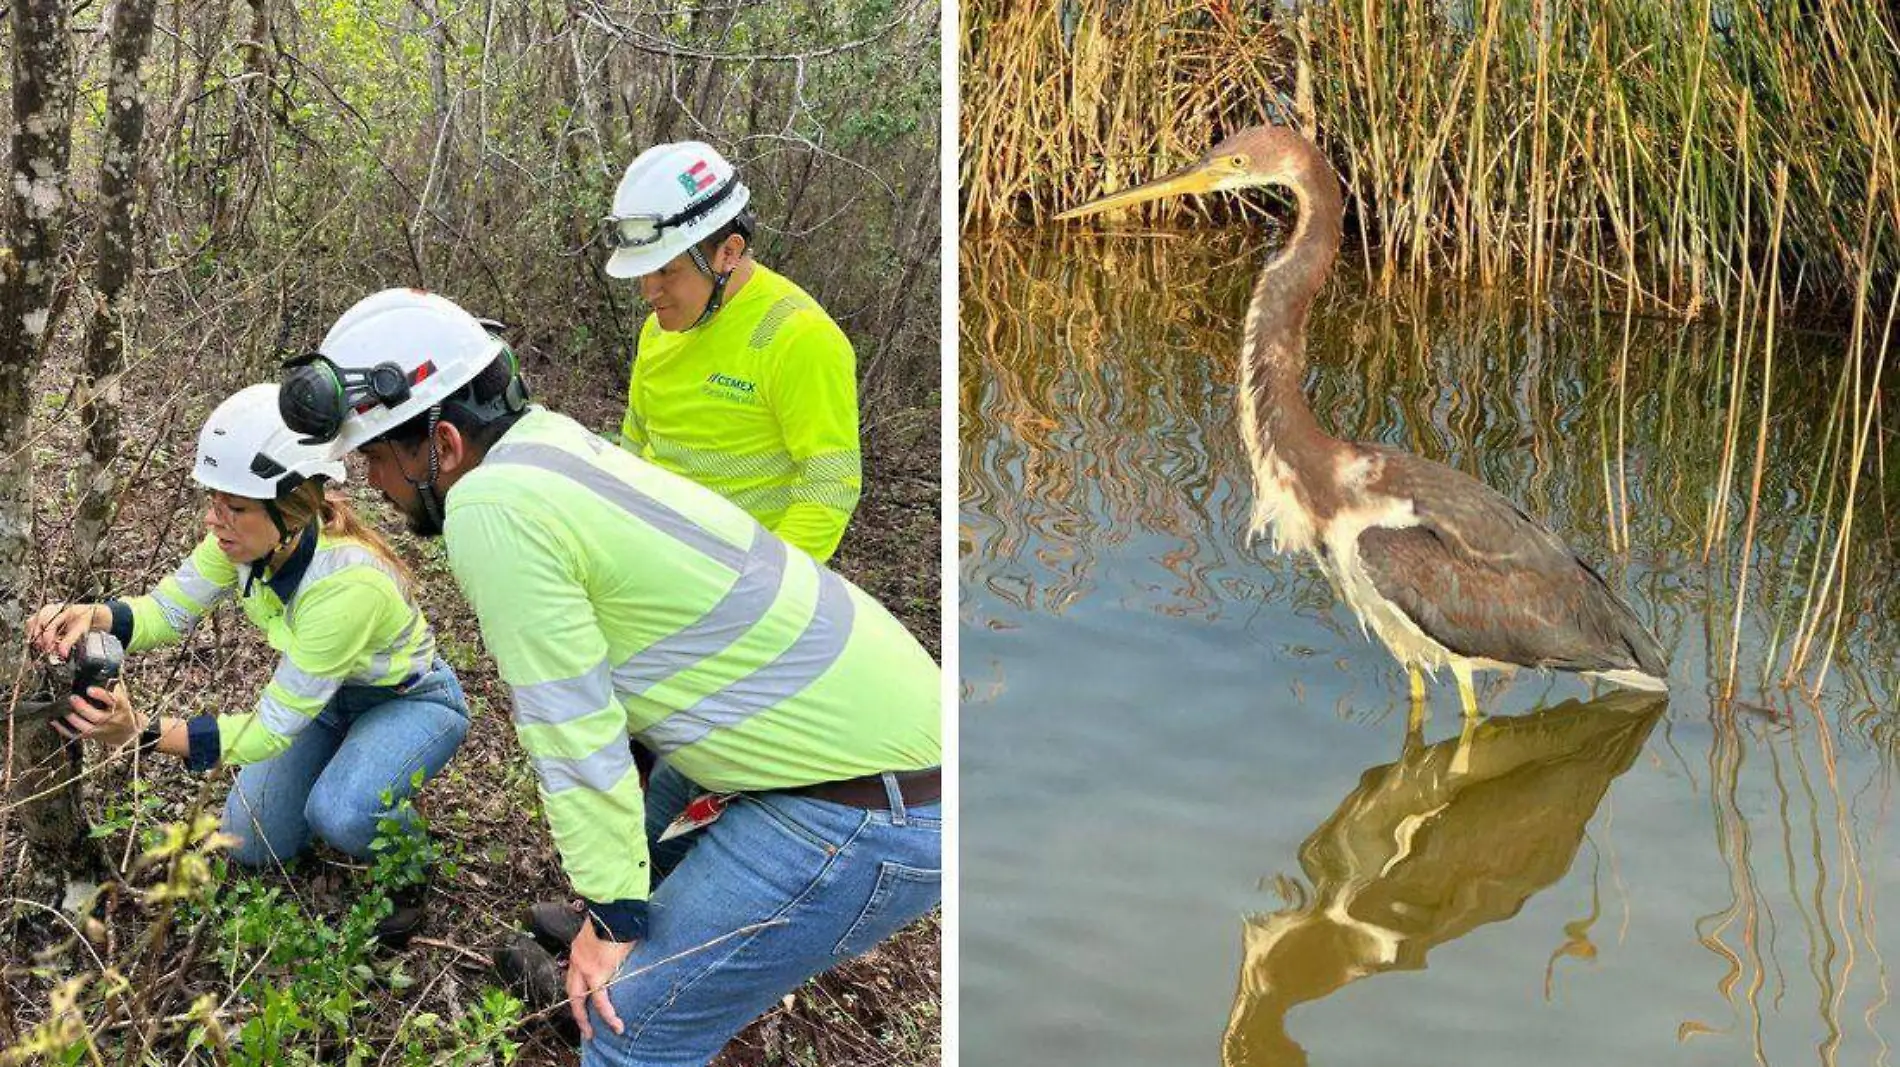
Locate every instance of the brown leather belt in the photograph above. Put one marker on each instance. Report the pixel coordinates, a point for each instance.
(917, 787)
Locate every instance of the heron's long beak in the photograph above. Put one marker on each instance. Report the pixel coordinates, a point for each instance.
(1198, 177)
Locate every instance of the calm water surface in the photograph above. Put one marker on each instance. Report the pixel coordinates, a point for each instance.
(1195, 832)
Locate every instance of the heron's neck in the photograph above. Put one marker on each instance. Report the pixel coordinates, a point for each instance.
(1275, 416)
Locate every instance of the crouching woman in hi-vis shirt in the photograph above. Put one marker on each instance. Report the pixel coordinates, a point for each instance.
(359, 702)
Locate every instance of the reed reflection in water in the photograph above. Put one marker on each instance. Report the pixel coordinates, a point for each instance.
(1156, 713)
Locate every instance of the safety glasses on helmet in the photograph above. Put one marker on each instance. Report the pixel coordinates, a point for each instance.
(638, 231)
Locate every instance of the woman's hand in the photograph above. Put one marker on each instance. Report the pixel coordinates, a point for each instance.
(56, 628)
(110, 721)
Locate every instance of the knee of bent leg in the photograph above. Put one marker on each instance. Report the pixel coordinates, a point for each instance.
(251, 849)
(254, 847)
(346, 822)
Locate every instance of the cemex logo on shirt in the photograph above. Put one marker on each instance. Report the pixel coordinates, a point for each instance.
(696, 179)
(726, 387)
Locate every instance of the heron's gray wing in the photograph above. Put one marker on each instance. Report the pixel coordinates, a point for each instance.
(1486, 580)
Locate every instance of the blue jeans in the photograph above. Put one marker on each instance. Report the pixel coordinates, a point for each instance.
(331, 779)
(837, 880)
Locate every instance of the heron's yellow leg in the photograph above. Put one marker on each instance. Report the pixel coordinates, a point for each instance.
(1415, 719)
(1467, 694)
(1461, 756)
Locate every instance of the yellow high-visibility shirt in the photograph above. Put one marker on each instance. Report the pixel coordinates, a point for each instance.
(619, 598)
(759, 404)
(337, 611)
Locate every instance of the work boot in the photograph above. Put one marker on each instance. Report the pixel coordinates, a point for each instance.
(408, 906)
(531, 974)
(556, 923)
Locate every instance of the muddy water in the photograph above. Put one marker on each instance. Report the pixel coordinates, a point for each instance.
(1195, 830)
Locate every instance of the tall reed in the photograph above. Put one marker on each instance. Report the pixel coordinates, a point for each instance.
(1629, 146)
(1063, 101)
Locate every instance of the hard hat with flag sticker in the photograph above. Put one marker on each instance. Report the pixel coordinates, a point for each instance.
(672, 197)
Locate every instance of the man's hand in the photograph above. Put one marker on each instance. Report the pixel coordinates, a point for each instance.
(591, 964)
(112, 724)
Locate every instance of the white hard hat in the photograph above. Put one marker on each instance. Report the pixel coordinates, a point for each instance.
(389, 358)
(246, 450)
(672, 197)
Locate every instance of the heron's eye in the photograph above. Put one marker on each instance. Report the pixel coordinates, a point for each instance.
(1239, 162)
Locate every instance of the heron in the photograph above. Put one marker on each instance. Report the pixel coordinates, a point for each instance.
(1444, 570)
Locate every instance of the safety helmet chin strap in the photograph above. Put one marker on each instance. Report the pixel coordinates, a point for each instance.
(277, 519)
(283, 538)
(425, 491)
(719, 280)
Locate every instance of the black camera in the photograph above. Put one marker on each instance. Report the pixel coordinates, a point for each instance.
(96, 661)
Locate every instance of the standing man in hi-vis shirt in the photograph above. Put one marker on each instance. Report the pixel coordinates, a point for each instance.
(793, 820)
(741, 382)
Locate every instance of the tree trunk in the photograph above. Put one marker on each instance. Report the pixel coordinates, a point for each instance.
(37, 199)
(917, 253)
(682, 75)
(788, 215)
(250, 125)
(703, 99)
(98, 390)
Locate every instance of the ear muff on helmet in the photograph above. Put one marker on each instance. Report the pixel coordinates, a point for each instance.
(316, 395)
(310, 400)
(512, 400)
(515, 396)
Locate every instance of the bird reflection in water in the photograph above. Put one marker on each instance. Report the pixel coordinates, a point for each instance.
(1419, 854)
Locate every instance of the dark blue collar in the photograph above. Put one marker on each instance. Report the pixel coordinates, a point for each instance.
(284, 581)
